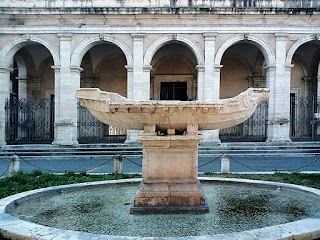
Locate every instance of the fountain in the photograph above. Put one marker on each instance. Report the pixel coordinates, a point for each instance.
(169, 169)
(240, 209)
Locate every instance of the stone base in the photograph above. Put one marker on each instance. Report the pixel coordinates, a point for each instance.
(165, 197)
(169, 209)
(170, 175)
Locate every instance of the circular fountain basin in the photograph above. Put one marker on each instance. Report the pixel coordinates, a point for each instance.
(239, 209)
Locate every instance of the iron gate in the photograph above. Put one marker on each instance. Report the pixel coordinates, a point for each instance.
(253, 129)
(91, 130)
(32, 121)
(29, 120)
(305, 118)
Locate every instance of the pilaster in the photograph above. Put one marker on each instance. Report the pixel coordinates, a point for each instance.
(211, 137)
(140, 81)
(66, 82)
(129, 81)
(217, 73)
(211, 85)
(279, 104)
(4, 96)
(201, 87)
(22, 82)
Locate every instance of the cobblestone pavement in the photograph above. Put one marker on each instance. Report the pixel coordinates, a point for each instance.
(132, 164)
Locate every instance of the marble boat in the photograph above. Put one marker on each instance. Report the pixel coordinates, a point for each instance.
(116, 110)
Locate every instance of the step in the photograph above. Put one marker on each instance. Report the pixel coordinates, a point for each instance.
(136, 149)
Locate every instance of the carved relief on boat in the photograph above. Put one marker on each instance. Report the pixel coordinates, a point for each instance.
(116, 110)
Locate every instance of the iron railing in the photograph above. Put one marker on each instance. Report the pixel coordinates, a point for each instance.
(91, 130)
(305, 118)
(32, 121)
(252, 130)
(29, 120)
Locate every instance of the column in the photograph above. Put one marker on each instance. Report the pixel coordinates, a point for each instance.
(140, 85)
(279, 103)
(146, 76)
(209, 83)
(4, 96)
(211, 86)
(201, 82)
(217, 73)
(132, 135)
(22, 81)
(65, 102)
(211, 137)
(139, 81)
(129, 81)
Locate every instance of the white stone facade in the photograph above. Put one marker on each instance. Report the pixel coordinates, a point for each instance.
(220, 48)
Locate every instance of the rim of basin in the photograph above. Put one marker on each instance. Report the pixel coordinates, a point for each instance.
(10, 226)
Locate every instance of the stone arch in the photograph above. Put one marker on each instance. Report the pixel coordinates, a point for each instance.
(88, 43)
(10, 48)
(297, 44)
(156, 45)
(258, 42)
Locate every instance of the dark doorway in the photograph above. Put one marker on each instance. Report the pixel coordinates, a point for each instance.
(174, 91)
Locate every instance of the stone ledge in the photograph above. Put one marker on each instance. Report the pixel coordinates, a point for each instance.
(157, 10)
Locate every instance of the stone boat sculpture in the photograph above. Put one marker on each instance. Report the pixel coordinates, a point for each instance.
(170, 159)
(116, 110)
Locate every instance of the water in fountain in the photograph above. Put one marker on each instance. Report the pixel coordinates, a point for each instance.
(105, 210)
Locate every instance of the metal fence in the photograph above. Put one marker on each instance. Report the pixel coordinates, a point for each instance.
(252, 130)
(305, 118)
(29, 120)
(91, 130)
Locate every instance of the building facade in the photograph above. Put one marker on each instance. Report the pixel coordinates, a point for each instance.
(157, 49)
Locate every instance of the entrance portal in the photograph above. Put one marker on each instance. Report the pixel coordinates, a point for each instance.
(174, 91)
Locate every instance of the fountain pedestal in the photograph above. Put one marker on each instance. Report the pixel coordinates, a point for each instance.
(170, 175)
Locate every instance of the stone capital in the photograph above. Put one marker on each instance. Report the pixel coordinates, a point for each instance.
(21, 79)
(270, 68)
(210, 36)
(288, 67)
(200, 68)
(138, 36)
(65, 36)
(281, 36)
(217, 68)
(56, 68)
(5, 70)
(129, 68)
(147, 68)
(75, 69)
